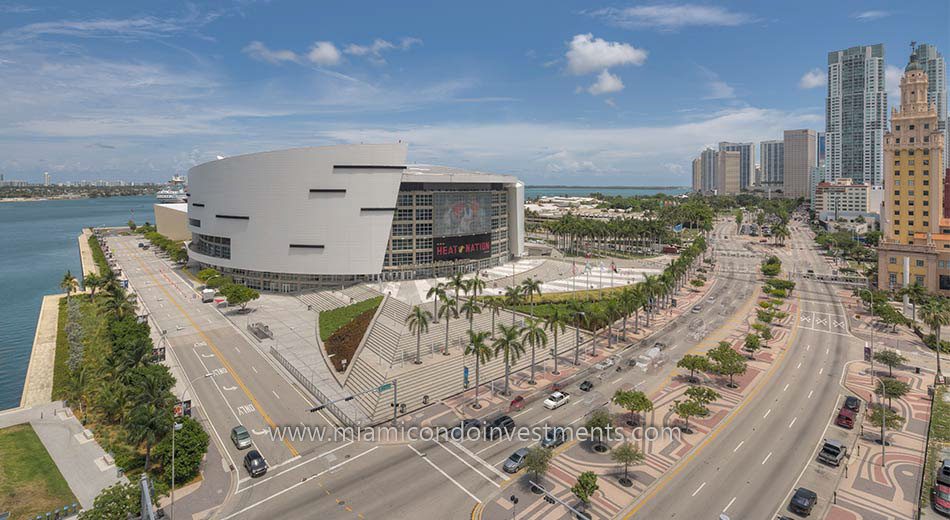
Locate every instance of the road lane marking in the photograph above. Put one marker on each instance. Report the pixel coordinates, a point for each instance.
(786, 387)
(767, 413)
(807, 348)
(700, 488)
(521, 413)
(275, 394)
(574, 421)
(767, 457)
(541, 421)
(463, 461)
(480, 460)
(793, 422)
(444, 474)
(492, 445)
(827, 350)
(799, 364)
(729, 504)
(810, 393)
(615, 381)
(738, 446)
(254, 369)
(822, 369)
(298, 484)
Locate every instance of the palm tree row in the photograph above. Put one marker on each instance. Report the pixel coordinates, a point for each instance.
(625, 234)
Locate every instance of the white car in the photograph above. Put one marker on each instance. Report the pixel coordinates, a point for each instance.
(605, 364)
(556, 400)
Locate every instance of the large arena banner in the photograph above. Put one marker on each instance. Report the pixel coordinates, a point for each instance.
(462, 247)
(461, 213)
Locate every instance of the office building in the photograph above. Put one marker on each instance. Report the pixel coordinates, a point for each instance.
(915, 244)
(841, 198)
(728, 172)
(320, 217)
(746, 161)
(698, 174)
(799, 157)
(933, 64)
(856, 114)
(821, 148)
(708, 163)
(772, 156)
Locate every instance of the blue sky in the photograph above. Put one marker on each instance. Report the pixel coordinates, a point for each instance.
(594, 93)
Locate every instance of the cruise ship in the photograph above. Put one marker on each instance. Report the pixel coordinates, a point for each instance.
(173, 192)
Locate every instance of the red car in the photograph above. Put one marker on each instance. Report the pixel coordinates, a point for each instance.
(845, 418)
(517, 403)
(941, 498)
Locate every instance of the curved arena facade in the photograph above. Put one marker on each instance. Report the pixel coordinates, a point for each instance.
(313, 218)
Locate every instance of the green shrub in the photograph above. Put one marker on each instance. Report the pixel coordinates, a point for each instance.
(333, 320)
(191, 443)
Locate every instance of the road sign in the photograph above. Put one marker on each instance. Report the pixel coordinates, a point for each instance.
(867, 354)
(383, 388)
(465, 377)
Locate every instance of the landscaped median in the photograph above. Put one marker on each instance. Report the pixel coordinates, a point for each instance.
(30, 483)
(939, 442)
(342, 330)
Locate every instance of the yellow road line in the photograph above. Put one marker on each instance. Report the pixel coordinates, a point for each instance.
(722, 426)
(218, 354)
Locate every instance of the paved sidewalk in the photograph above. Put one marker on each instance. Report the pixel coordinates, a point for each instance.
(86, 259)
(38, 385)
(80, 459)
(877, 491)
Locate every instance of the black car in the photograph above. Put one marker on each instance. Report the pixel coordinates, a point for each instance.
(803, 501)
(554, 438)
(586, 385)
(459, 432)
(852, 403)
(255, 464)
(499, 426)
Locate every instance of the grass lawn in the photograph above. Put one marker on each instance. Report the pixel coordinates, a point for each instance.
(939, 438)
(30, 483)
(331, 321)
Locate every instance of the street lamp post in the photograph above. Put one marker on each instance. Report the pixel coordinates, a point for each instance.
(883, 413)
(174, 429)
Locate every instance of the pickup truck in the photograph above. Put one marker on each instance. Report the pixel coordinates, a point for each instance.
(832, 452)
(557, 400)
(605, 364)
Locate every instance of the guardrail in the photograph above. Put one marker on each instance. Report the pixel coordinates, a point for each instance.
(337, 412)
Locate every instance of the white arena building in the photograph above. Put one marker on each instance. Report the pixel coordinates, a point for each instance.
(312, 218)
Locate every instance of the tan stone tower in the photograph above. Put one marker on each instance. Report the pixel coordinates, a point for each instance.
(915, 247)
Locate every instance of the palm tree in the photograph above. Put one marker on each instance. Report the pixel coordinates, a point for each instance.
(577, 313)
(436, 292)
(494, 308)
(470, 308)
(476, 285)
(120, 304)
(530, 287)
(556, 322)
(508, 343)
(513, 297)
(418, 321)
(915, 294)
(936, 313)
(628, 304)
(651, 289)
(457, 283)
(612, 313)
(594, 318)
(482, 352)
(147, 423)
(68, 284)
(92, 281)
(447, 312)
(533, 334)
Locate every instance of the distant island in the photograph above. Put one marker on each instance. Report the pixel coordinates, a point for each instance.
(35, 192)
(607, 187)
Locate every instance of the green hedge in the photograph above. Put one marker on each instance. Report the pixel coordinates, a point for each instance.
(939, 438)
(60, 370)
(331, 321)
(98, 256)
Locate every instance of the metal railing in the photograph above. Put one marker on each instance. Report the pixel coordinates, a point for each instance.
(337, 412)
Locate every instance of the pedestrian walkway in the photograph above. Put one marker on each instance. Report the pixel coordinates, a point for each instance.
(884, 485)
(85, 466)
(38, 385)
(86, 258)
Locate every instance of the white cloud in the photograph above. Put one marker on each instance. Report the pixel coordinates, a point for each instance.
(587, 54)
(813, 79)
(324, 54)
(868, 16)
(719, 89)
(606, 84)
(670, 17)
(892, 82)
(259, 51)
(379, 46)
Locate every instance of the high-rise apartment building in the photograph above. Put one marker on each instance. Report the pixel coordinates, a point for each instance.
(856, 114)
(728, 172)
(708, 160)
(772, 157)
(935, 67)
(746, 161)
(46, 179)
(698, 174)
(821, 148)
(800, 156)
(915, 246)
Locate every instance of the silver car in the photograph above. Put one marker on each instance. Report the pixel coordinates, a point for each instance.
(516, 461)
(240, 437)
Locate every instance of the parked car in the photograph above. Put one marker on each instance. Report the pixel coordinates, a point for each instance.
(516, 460)
(852, 403)
(845, 418)
(803, 501)
(659, 345)
(943, 472)
(605, 364)
(557, 400)
(554, 438)
(711, 299)
(832, 452)
(697, 309)
(459, 432)
(941, 497)
(255, 464)
(499, 426)
(586, 386)
(517, 403)
(240, 437)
